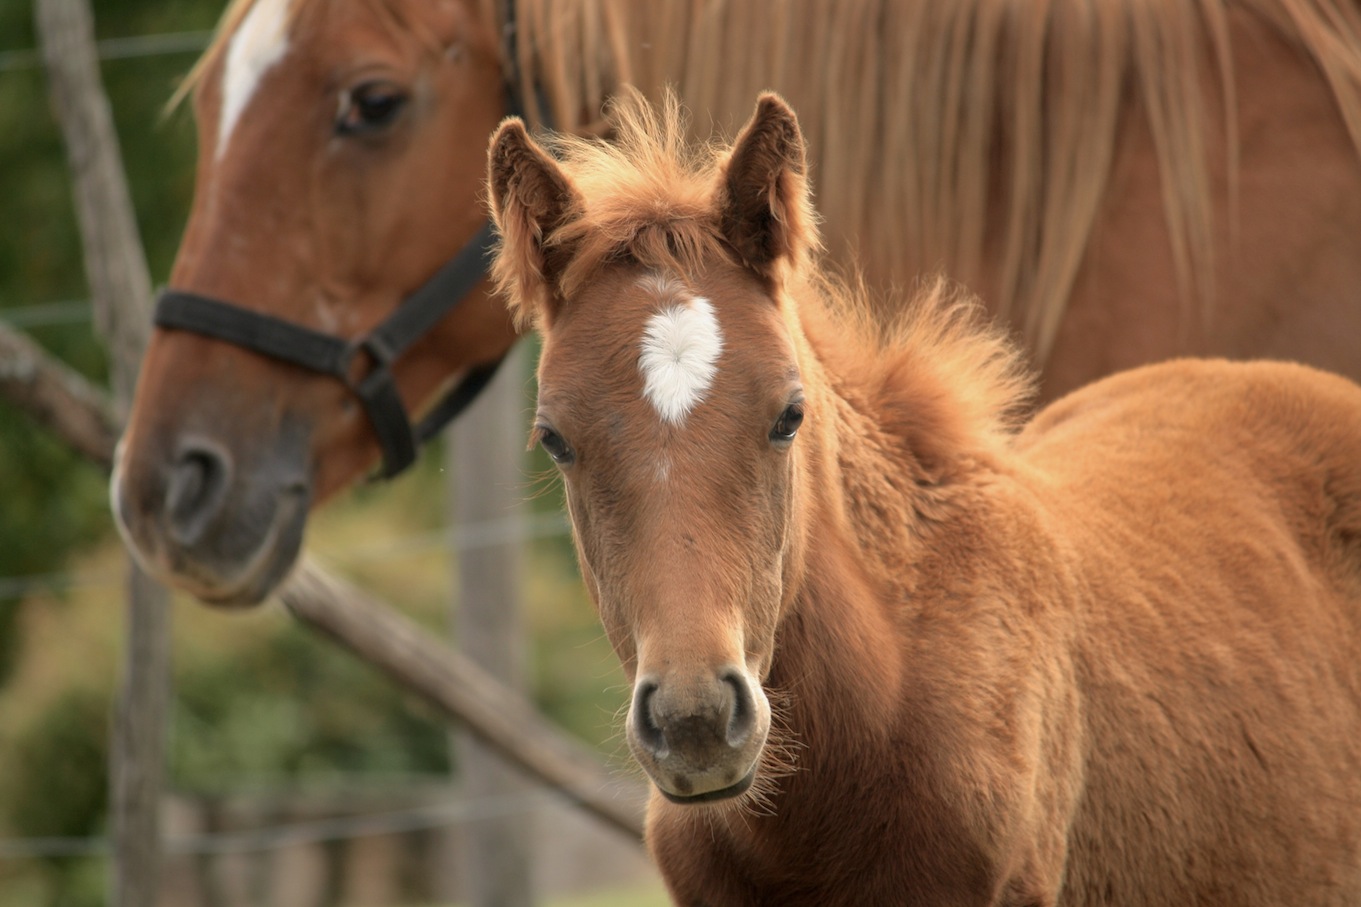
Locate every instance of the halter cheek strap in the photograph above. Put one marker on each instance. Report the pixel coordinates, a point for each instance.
(363, 365)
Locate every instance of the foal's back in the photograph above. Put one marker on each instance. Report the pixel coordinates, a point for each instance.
(1216, 509)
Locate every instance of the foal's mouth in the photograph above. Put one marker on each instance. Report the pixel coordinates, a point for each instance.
(725, 793)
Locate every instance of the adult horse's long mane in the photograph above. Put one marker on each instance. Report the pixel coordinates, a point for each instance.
(909, 104)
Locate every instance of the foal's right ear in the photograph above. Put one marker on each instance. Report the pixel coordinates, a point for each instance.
(531, 198)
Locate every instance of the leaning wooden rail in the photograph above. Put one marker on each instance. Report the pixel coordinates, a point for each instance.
(460, 689)
(57, 396)
(374, 631)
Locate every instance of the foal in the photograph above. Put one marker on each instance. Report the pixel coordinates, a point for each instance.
(884, 648)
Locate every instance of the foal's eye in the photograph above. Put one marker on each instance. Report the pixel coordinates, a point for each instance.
(369, 107)
(554, 445)
(787, 426)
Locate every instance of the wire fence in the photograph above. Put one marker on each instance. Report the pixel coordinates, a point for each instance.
(464, 538)
(454, 812)
(49, 314)
(129, 48)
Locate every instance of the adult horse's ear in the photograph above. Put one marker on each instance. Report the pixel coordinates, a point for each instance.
(764, 206)
(530, 198)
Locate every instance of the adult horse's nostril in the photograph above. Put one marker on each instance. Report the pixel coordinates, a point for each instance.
(195, 492)
(645, 728)
(742, 720)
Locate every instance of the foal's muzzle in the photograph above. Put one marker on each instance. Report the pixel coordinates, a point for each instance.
(699, 738)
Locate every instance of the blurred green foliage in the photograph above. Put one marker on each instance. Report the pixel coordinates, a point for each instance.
(55, 784)
(53, 502)
(293, 708)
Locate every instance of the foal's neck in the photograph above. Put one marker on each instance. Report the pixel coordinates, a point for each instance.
(865, 487)
(878, 506)
(838, 640)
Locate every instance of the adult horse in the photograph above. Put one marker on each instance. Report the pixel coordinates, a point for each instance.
(1110, 660)
(1122, 180)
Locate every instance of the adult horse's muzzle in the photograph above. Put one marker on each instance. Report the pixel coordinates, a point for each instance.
(227, 532)
(222, 516)
(699, 738)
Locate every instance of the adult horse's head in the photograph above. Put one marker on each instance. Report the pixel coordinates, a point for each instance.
(670, 398)
(337, 147)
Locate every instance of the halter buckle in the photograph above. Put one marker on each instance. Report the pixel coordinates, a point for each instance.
(365, 358)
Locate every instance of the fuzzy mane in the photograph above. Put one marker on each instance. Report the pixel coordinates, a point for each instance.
(939, 374)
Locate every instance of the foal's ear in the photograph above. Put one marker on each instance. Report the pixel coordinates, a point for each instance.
(530, 198)
(764, 206)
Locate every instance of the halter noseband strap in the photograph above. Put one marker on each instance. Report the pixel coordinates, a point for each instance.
(341, 359)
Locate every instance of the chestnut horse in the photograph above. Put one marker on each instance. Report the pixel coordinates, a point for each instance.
(1123, 181)
(883, 648)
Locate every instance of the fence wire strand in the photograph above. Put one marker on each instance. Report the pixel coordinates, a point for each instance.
(130, 48)
(301, 833)
(468, 537)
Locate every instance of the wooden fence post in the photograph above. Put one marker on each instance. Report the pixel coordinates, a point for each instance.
(115, 266)
(484, 459)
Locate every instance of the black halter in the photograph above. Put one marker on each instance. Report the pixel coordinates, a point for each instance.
(336, 356)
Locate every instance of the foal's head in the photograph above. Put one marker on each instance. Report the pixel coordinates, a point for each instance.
(670, 398)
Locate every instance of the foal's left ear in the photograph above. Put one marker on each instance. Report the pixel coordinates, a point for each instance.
(531, 197)
(764, 206)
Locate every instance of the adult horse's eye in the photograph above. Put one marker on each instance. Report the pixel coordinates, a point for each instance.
(787, 426)
(369, 107)
(554, 445)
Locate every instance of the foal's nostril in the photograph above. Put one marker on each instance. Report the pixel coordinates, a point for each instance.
(195, 492)
(742, 720)
(645, 726)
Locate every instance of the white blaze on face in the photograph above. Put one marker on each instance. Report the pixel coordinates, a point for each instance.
(680, 352)
(260, 41)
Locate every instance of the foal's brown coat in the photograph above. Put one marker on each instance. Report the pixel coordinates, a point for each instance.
(1109, 659)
